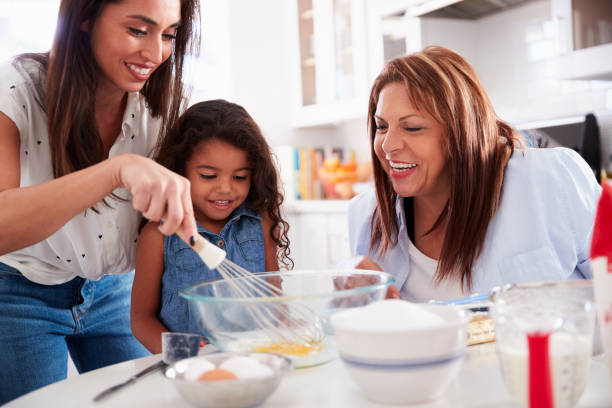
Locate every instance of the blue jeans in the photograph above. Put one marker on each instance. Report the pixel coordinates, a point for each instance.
(40, 325)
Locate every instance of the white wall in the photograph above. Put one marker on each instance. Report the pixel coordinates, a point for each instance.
(458, 35)
(259, 61)
(24, 30)
(517, 63)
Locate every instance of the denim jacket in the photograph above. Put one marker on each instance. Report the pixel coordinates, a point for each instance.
(241, 238)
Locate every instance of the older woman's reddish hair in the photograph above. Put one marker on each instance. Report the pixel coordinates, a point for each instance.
(478, 146)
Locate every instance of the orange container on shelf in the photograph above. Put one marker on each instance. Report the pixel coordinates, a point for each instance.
(338, 178)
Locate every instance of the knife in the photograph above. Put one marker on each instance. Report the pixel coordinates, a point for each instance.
(157, 366)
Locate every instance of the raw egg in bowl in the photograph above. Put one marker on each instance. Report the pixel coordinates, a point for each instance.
(227, 379)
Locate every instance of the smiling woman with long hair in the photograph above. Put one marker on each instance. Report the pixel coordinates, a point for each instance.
(459, 205)
(77, 128)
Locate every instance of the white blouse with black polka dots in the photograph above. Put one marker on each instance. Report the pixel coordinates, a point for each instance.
(90, 245)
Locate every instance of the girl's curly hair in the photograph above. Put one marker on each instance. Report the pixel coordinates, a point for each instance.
(228, 122)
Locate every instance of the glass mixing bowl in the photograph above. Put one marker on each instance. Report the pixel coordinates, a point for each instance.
(295, 323)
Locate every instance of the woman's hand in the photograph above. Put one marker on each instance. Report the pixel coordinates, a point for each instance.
(393, 293)
(364, 262)
(156, 192)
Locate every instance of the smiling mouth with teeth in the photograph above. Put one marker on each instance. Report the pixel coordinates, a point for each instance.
(221, 204)
(138, 70)
(399, 167)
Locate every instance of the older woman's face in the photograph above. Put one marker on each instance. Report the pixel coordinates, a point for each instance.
(409, 145)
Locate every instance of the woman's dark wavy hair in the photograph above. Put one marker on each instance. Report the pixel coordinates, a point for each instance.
(477, 147)
(231, 123)
(68, 93)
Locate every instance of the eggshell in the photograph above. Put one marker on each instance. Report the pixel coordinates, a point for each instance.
(197, 368)
(246, 367)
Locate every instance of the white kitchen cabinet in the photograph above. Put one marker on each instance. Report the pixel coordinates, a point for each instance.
(395, 30)
(584, 35)
(318, 233)
(328, 79)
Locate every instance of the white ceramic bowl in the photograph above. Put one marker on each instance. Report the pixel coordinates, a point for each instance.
(402, 364)
(228, 393)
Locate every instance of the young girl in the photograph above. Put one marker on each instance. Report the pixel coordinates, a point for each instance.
(236, 200)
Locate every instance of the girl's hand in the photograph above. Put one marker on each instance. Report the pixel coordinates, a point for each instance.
(156, 192)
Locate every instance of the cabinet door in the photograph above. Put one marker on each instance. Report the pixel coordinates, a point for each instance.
(337, 239)
(329, 78)
(584, 32)
(309, 242)
(582, 23)
(318, 240)
(307, 62)
(393, 32)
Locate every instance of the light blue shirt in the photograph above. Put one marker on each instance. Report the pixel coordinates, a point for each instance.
(541, 230)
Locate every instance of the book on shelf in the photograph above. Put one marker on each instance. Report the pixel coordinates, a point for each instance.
(301, 168)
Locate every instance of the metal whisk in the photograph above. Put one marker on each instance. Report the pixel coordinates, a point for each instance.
(289, 323)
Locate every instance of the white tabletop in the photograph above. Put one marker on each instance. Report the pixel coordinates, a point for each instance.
(479, 384)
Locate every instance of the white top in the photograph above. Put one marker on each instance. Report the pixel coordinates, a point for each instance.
(420, 286)
(90, 245)
(541, 230)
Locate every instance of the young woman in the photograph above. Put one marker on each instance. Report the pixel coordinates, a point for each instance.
(236, 200)
(76, 127)
(459, 206)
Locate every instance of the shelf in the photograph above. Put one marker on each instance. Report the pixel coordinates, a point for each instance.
(307, 15)
(316, 206)
(309, 62)
(331, 114)
(347, 51)
(568, 120)
(587, 63)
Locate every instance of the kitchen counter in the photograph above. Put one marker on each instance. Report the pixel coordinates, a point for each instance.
(479, 384)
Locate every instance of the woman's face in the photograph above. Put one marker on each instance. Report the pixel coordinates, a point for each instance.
(132, 38)
(409, 144)
(220, 177)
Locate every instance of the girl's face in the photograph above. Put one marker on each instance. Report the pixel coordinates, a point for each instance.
(409, 144)
(220, 177)
(131, 38)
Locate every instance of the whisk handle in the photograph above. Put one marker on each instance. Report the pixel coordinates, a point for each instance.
(211, 254)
